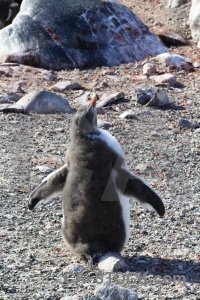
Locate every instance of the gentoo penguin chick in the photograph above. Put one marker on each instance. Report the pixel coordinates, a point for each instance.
(96, 185)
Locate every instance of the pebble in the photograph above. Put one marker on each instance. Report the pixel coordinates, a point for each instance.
(165, 78)
(145, 112)
(196, 64)
(183, 123)
(183, 251)
(171, 59)
(110, 98)
(74, 267)
(47, 75)
(67, 85)
(9, 98)
(44, 169)
(103, 124)
(128, 115)
(144, 95)
(107, 291)
(197, 131)
(71, 298)
(85, 98)
(112, 262)
(13, 88)
(100, 111)
(149, 68)
(143, 167)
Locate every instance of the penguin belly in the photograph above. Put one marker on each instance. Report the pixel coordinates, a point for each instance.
(124, 201)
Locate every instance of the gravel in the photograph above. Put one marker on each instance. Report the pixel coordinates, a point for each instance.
(32, 252)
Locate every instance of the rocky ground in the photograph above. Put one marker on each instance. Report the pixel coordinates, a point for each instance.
(33, 254)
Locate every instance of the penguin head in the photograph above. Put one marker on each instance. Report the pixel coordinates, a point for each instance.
(85, 119)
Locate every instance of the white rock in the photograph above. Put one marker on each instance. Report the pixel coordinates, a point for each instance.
(197, 131)
(44, 169)
(176, 3)
(112, 262)
(172, 59)
(181, 252)
(128, 115)
(194, 20)
(70, 298)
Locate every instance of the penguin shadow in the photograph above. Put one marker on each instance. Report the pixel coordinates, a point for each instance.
(190, 269)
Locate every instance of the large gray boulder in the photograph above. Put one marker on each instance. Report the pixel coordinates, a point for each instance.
(194, 21)
(74, 33)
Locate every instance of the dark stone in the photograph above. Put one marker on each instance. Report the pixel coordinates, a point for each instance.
(171, 38)
(75, 34)
(4, 10)
(8, 11)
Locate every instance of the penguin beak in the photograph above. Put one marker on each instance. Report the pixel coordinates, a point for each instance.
(93, 101)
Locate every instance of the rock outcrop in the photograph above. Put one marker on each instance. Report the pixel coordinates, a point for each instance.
(76, 34)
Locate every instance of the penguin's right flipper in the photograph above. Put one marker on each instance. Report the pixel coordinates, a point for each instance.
(131, 185)
(50, 187)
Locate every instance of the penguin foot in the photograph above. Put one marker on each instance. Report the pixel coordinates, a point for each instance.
(89, 261)
(92, 258)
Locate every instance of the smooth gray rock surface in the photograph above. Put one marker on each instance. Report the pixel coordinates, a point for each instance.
(41, 102)
(75, 34)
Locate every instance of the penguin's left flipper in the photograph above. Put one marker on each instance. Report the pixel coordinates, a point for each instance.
(50, 187)
(131, 185)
